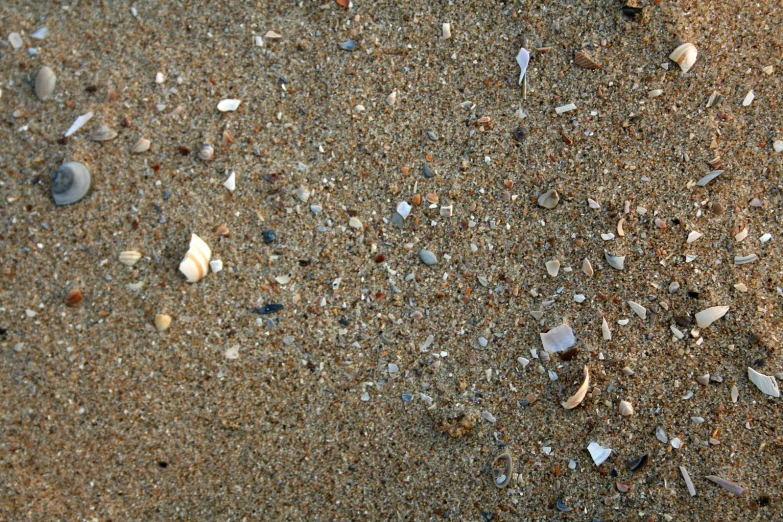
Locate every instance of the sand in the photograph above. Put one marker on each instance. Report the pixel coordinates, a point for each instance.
(329, 409)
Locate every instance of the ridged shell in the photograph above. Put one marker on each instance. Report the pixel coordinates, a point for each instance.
(71, 183)
(129, 257)
(143, 145)
(766, 383)
(196, 263)
(685, 56)
(582, 59)
(206, 153)
(162, 322)
(45, 81)
(103, 133)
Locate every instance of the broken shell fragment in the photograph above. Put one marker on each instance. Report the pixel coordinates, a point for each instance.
(741, 235)
(206, 153)
(626, 408)
(766, 383)
(710, 315)
(553, 267)
(44, 83)
(685, 56)
(743, 260)
(231, 182)
(196, 263)
(688, 482)
(620, 230)
(523, 58)
(693, 236)
(549, 199)
(143, 145)
(708, 177)
(558, 338)
(728, 485)
(392, 98)
(216, 265)
(403, 209)
(579, 396)
(71, 183)
(501, 469)
(605, 331)
(103, 133)
(228, 105)
(445, 31)
(748, 98)
(162, 322)
(616, 262)
(587, 268)
(598, 453)
(639, 309)
(129, 257)
(74, 297)
(584, 60)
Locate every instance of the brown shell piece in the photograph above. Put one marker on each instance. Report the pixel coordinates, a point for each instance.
(584, 60)
(501, 469)
(74, 297)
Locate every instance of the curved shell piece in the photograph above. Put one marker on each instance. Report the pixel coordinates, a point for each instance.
(549, 199)
(639, 309)
(626, 408)
(584, 60)
(143, 145)
(598, 453)
(228, 105)
(103, 133)
(44, 83)
(129, 257)
(162, 322)
(766, 383)
(710, 315)
(685, 56)
(71, 183)
(616, 262)
(587, 268)
(196, 263)
(577, 398)
(501, 469)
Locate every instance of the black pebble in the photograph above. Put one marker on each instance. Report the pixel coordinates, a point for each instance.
(344, 321)
(428, 171)
(630, 12)
(269, 308)
(269, 236)
(163, 464)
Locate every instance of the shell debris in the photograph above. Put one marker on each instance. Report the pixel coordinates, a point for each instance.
(129, 257)
(558, 338)
(766, 383)
(616, 262)
(577, 398)
(626, 409)
(71, 183)
(584, 60)
(553, 267)
(196, 263)
(228, 105)
(710, 315)
(587, 268)
(549, 199)
(598, 453)
(162, 322)
(728, 485)
(685, 56)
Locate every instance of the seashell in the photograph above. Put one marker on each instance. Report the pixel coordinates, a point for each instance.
(639, 309)
(553, 267)
(620, 230)
(661, 224)
(427, 171)
(129, 257)
(766, 383)
(734, 394)
(744, 260)
(15, 40)
(447, 210)
(206, 152)
(704, 380)
(607, 237)
(598, 453)
(676, 443)
(216, 265)
(545, 356)
(767, 69)
(162, 322)
(232, 352)
(44, 83)
(74, 297)
(41, 32)
(356, 223)
(565, 108)
(728, 485)
(501, 469)
(78, 123)
(231, 182)
(617, 262)
(708, 177)
(302, 194)
(748, 98)
(777, 145)
(660, 434)
(404, 209)
(710, 315)
(756, 202)
(685, 56)
(284, 279)
(196, 263)
(143, 145)
(348, 45)
(593, 204)
(103, 133)
(605, 331)
(688, 482)
(637, 464)
(765, 237)
(549, 199)
(584, 60)
(446, 31)
(587, 268)
(741, 287)
(537, 314)
(655, 93)
(693, 236)
(562, 506)
(71, 183)
(579, 396)
(558, 338)
(228, 105)
(271, 35)
(433, 198)
(741, 235)
(392, 98)
(523, 58)
(626, 409)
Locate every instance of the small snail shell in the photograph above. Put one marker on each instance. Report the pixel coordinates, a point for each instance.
(206, 153)
(196, 263)
(71, 183)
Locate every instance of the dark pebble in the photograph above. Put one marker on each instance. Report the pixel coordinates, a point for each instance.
(630, 11)
(269, 236)
(344, 321)
(268, 309)
(166, 194)
(428, 171)
(561, 506)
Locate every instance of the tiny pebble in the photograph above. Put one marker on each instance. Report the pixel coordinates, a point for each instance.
(268, 236)
(428, 257)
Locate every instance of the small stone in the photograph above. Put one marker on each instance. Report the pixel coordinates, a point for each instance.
(356, 223)
(268, 236)
(549, 199)
(704, 380)
(348, 45)
(428, 172)
(428, 257)
(393, 368)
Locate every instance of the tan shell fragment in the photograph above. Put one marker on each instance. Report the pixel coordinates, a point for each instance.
(103, 133)
(162, 322)
(685, 56)
(549, 199)
(626, 409)
(577, 398)
(143, 145)
(587, 268)
(584, 60)
(196, 263)
(728, 485)
(44, 83)
(129, 257)
(620, 230)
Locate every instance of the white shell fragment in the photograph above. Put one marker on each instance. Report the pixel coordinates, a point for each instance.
(162, 322)
(216, 265)
(741, 235)
(196, 263)
(708, 177)
(15, 40)
(693, 236)
(446, 31)
(607, 237)
(710, 315)
(660, 434)
(565, 108)
(688, 482)
(744, 260)
(356, 223)
(404, 209)
(271, 35)
(302, 194)
(766, 237)
(283, 279)
(741, 287)
(626, 409)
(129, 257)
(558, 339)
(616, 262)
(748, 98)
(728, 485)
(579, 396)
(228, 105)
(593, 204)
(523, 58)
(598, 452)
(392, 98)
(766, 383)
(587, 268)
(685, 56)
(605, 331)
(233, 352)
(549, 199)
(231, 182)
(553, 267)
(142, 145)
(639, 309)
(777, 145)
(78, 124)
(103, 133)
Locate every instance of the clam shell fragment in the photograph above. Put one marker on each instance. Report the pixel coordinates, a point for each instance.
(710, 315)
(549, 199)
(129, 257)
(639, 309)
(587, 268)
(228, 105)
(616, 262)
(103, 133)
(196, 263)
(78, 123)
(598, 453)
(766, 383)
(685, 56)
(162, 322)
(626, 409)
(558, 338)
(71, 183)
(579, 396)
(553, 267)
(45, 81)
(143, 145)
(584, 60)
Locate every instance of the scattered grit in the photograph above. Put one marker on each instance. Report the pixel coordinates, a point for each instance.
(386, 231)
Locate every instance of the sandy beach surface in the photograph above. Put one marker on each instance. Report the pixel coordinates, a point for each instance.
(406, 220)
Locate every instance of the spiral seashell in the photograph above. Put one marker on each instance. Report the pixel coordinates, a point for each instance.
(206, 153)
(196, 263)
(44, 83)
(71, 183)
(685, 56)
